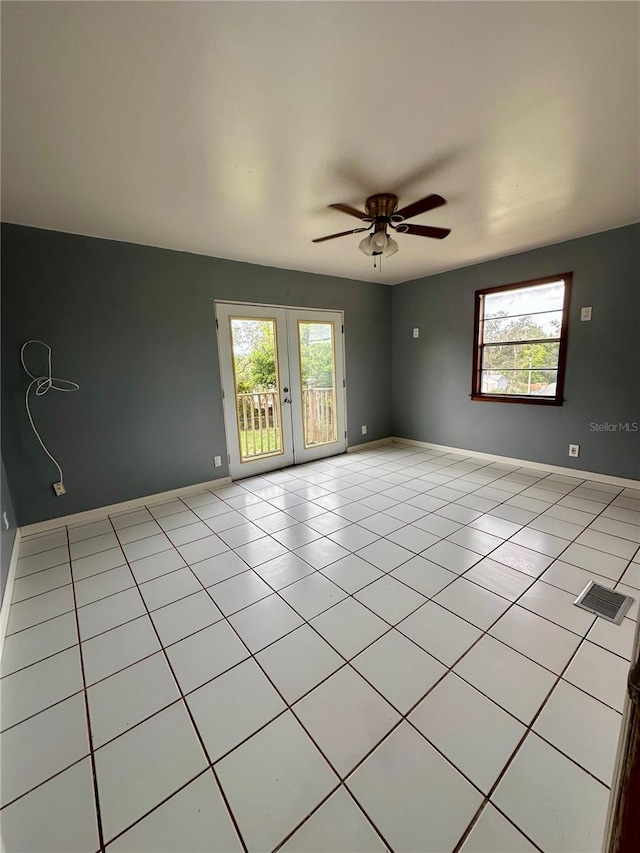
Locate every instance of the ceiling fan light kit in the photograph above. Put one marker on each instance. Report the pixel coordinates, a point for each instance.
(381, 215)
(378, 243)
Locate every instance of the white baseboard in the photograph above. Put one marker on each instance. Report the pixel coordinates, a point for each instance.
(367, 445)
(103, 511)
(8, 589)
(525, 463)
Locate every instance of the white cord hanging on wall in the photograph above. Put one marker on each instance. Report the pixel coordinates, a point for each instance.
(44, 384)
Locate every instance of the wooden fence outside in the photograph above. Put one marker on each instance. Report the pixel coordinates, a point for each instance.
(259, 420)
(259, 423)
(318, 410)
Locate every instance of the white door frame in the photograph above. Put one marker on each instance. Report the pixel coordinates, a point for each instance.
(285, 457)
(290, 455)
(336, 318)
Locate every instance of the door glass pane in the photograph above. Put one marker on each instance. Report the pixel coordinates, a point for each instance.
(318, 375)
(254, 345)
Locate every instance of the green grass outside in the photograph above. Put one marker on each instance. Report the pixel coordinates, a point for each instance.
(255, 443)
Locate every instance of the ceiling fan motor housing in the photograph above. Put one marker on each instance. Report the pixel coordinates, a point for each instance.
(381, 205)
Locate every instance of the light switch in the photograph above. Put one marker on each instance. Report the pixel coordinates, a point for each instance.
(585, 314)
(416, 333)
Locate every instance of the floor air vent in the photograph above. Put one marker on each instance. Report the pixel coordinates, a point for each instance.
(604, 602)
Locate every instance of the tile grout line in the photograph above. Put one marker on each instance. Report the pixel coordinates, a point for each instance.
(196, 731)
(460, 476)
(391, 627)
(183, 697)
(288, 706)
(347, 791)
(388, 572)
(385, 572)
(377, 745)
(528, 729)
(403, 716)
(298, 521)
(57, 773)
(85, 697)
(528, 732)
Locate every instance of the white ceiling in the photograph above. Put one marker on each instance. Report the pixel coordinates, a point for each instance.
(227, 128)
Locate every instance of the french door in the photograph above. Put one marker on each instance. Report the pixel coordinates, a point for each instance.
(283, 385)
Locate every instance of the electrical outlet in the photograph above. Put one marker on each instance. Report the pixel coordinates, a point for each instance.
(585, 314)
(574, 450)
(364, 430)
(217, 461)
(5, 518)
(416, 333)
(59, 489)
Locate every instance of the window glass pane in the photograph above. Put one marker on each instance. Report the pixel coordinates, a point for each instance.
(525, 300)
(317, 371)
(534, 382)
(526, 327)
(255, 374)
(520, 341)
(522, 356)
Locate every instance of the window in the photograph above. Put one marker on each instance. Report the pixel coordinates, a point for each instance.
(521, 341)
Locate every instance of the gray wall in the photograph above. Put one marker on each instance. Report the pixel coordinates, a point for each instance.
(6, 536)
(431, 378)
(134, 326)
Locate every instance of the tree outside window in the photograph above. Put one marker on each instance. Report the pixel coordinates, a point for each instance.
(520, 341)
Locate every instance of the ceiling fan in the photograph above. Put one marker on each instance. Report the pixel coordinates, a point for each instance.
(381, 215)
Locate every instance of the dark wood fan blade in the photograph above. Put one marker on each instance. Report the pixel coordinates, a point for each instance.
(346, 208)
(341, 234)
(421, 206)
(425, 231)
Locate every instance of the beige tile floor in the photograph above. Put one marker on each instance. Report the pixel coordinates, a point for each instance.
(372, 652)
